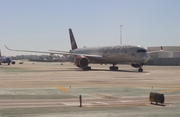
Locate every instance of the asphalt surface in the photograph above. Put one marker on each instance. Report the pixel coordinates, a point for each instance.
(36, 89)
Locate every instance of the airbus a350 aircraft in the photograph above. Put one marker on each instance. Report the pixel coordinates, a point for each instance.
(4, 59)
(134, 55)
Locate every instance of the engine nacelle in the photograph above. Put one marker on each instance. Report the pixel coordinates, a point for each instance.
(135, 65)
(81, 61)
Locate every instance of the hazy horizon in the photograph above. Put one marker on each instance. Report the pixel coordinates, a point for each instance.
(43, 24)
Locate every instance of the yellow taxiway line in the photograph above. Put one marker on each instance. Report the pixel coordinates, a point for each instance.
(170, 90)
(64, 89)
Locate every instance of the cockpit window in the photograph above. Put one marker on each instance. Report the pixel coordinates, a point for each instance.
(141, 50)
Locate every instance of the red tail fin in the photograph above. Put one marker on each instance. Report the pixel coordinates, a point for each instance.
(0, 54)
(72, 39)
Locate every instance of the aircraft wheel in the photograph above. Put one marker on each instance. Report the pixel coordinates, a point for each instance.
(87, 68)
(140, 70)
(113, 68)
(110, 68)
(8, 63)
(13, 62)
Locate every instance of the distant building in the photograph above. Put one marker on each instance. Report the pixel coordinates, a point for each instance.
(169, 56)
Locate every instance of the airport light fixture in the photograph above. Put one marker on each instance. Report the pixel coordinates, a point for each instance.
(121, 34)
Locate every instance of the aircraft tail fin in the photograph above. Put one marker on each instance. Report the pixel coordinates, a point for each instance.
(72, 39)
(0, 54)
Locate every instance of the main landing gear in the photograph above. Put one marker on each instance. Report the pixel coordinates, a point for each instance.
(140, 69)
(86, 68)
(113, 68)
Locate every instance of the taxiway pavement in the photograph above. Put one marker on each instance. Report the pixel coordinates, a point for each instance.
(36, 89)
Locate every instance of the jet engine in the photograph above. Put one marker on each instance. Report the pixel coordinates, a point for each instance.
(135, 65)
(81, 61)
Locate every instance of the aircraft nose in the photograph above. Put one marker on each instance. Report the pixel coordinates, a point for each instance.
(145, 58)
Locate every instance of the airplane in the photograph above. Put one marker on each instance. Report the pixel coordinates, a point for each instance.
(4, 59)
(135, 55)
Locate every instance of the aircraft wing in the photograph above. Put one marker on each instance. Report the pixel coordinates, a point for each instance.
(88, 55)
(156, 51)
(77, 54)
(29, 51)
(58, 52)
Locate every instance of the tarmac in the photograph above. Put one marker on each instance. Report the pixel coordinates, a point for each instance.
(52, 89)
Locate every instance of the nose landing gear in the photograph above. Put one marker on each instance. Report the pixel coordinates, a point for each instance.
(140, 68)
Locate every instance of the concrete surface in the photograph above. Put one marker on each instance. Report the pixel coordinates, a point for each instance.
(52, 90)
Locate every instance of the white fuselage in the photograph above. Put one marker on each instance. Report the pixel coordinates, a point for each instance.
(116, 54)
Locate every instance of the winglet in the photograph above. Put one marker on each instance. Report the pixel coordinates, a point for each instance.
(162, 48)
(7, 47)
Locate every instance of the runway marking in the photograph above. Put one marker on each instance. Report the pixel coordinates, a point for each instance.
(171, 90)
(64, 89)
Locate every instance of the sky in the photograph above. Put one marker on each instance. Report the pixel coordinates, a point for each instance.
(43, 24)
